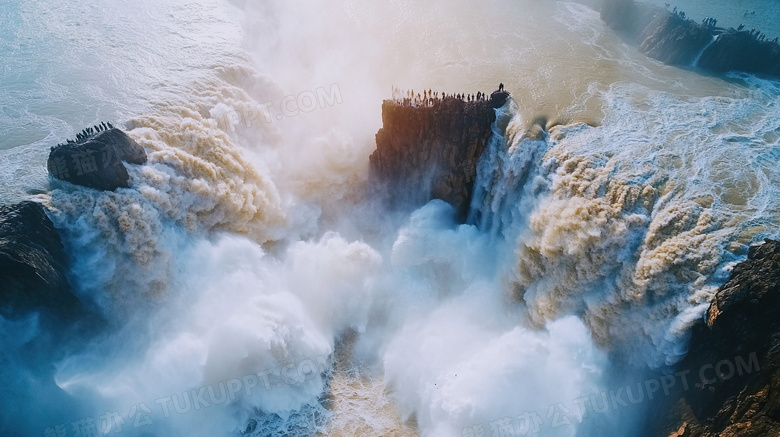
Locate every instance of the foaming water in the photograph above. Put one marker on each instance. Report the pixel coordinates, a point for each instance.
(248, 285)
(635, 219)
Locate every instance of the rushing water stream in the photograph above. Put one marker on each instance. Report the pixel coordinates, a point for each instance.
(250, 286)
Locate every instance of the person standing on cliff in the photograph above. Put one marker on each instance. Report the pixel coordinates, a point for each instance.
(501, 87)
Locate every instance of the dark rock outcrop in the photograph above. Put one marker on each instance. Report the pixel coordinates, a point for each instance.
(498, 98)
(430, 151)
(95, 158)
(671, 38)
(741, 51)
(736, 353)
(33, 264)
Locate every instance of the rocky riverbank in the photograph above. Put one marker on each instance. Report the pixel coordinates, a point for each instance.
(737, 397)
(672, 38)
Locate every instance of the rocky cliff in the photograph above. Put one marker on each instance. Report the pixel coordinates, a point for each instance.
(735, 354)
(95, 158)
(430, 150)
(32, 264)
(670, 37)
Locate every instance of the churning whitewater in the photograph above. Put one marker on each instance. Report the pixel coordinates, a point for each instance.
(247, 283)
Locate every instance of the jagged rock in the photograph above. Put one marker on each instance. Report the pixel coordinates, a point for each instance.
(95, 159)
(675, 40)
(427, 152)
(32, 263)
(742, 323)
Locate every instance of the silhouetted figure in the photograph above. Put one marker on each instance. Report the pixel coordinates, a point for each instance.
(501, 87)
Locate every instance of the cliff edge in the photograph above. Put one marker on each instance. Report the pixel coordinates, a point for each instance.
(674, 39)
(741, 399)
(430, 150)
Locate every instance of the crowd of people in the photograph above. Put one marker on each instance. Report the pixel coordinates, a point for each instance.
(711, 23)
(757, 35)
(430, 97)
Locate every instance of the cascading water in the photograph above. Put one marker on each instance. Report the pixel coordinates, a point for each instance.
(245, 284)
(703, 49)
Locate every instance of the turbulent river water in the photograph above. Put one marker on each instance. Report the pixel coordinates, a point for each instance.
(249, 284)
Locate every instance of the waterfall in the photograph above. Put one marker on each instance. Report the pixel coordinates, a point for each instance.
(503, 173)
(696, 59)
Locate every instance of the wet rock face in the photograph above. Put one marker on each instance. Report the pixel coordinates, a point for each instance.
(673, 39)
(95, 158)
(430, 151)
(32, 263)
(740, 51)
(743, 321)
